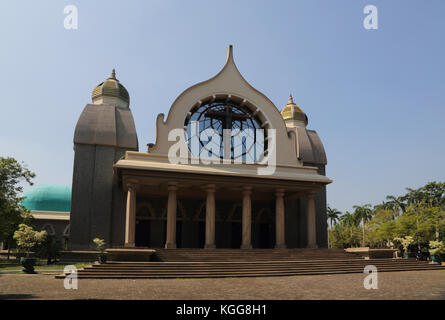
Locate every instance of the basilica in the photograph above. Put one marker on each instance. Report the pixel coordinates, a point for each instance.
(227, 170)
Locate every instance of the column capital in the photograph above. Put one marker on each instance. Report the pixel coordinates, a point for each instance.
(279, 192)
(247, 190)
(311, 193)
(172, 186)
(210, 187)
(131, 186)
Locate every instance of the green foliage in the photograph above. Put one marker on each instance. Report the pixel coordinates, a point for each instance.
(27, 237)
(12, 175)
(436, 248)
(419, 214)
(333, 215)
(100, 244)
(405, 241)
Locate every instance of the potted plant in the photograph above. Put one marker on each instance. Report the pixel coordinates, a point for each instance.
(436, 249)
(406, 242)
(27, 238)
(100, 246)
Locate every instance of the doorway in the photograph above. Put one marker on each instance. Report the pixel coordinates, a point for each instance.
(142, 237)
(236, 235)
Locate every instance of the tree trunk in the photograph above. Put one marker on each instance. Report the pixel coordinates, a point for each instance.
(363, 229)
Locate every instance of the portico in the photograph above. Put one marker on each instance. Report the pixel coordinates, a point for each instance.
(145, 174)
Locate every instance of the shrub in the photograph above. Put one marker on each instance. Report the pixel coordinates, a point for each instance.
(26, 237)
(100, 244)
(406, 241)
(436, 248)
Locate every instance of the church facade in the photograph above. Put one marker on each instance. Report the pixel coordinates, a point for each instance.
(227, 170)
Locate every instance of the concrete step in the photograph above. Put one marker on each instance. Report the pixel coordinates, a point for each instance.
(250, 254)
(256, 263)
(240, 274)
(199, 263)
(247, 270)
(247, 265)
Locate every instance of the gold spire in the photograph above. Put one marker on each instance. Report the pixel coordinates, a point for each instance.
(291, 100)
(113, 74)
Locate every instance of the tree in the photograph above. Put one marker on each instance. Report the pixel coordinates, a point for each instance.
(397, 204)
(12, 213)
(380, 229)
(419, 214)
(333, 215)
(27, 237)
(362, 214)
(347, 219)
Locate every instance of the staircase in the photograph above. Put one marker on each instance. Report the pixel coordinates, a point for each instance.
(217, 263)
(250, 255)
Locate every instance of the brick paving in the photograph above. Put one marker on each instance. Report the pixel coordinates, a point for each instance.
(392, 285)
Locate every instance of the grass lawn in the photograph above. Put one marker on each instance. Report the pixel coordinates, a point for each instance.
(14, 264)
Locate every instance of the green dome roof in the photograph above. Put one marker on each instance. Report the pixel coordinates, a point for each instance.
(111, 87)
(48, 198)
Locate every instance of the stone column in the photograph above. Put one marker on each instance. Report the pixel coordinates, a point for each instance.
(210, 217)
(247, 219)
(130, 216)
(279, 219)
(171, 216)
(311, 226)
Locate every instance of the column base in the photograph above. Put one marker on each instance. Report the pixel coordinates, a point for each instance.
(170, 246)
(246, 246)
(280, 246)
(311, 246)
(209, 246)
(129, 245)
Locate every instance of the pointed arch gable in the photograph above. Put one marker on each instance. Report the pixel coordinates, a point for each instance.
(228, 83)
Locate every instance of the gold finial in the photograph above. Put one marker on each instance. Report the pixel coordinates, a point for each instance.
(113, 74)
(291, 100)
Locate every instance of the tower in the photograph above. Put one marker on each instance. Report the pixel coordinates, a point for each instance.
(310, 152)
(104, 131)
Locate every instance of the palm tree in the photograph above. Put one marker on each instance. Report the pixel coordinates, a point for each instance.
(396, 204)
(347, 219)
(333, 215)
(363, 214)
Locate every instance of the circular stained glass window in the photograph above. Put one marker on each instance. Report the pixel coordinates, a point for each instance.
(225, 129)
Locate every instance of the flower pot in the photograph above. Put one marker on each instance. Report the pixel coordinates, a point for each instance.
(103, 258)
(406, 255)
(436, 259)
(28, 264)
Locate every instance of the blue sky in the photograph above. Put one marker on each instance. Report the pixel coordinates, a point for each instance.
(375, 97)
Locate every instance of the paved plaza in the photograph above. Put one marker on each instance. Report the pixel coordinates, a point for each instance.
(391, 285)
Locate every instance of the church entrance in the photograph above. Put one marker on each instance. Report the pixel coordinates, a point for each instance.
(236, 235)
(201, 234)
(263, 227)
(266, 235)
(142, 237)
